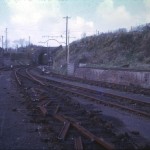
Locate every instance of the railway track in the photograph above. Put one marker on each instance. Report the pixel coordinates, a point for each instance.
(5, 69)
(77, 126)
(127, 88)
(64, 119)
(125, 103)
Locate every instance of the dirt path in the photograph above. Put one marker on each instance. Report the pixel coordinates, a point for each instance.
(16, 131)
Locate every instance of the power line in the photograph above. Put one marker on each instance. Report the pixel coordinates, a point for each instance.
(55, 32)
(47, 36)
(32, 28)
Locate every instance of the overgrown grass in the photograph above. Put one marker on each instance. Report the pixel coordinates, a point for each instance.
(114, 49)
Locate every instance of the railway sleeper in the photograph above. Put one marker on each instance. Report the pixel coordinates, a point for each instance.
(64, 130)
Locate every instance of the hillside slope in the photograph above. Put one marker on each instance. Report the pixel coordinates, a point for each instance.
(114, 49)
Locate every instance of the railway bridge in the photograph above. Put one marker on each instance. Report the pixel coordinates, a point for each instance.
(44, 55)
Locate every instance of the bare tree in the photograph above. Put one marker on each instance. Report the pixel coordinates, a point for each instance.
(83, 35)
(20, 42)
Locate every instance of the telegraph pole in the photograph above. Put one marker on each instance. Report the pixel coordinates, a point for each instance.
(2, 41)
(6, 40)
(2, 46)
(29, 40)
(67, 53)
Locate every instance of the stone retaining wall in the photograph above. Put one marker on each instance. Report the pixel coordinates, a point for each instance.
(124, 77)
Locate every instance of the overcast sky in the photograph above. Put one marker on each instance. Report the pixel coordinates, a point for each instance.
(37, 18)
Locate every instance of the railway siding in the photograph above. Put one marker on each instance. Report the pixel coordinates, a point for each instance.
(61, 105)
(136, 97)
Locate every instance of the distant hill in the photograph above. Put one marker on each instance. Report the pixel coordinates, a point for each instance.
(122, 48)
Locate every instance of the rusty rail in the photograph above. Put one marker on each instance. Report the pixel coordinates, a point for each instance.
(85, 132)
(76, 125)
(57, 109)
(98, 100)
(43, 110)
(42, 98)
(42, 105)
(17, 78)
(103, 102)
(78, 143)
(105, 92)
(35, 79)
(64, 130)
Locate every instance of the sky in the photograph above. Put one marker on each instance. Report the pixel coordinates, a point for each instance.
(42, 18)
